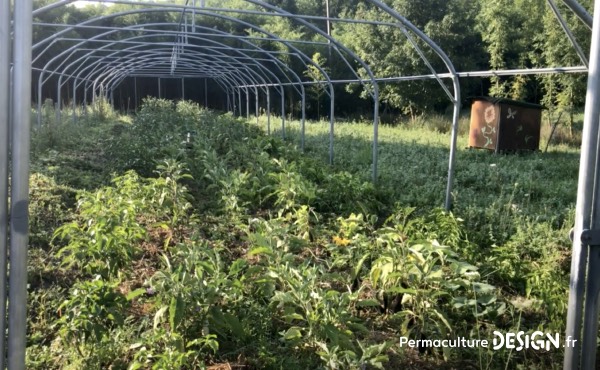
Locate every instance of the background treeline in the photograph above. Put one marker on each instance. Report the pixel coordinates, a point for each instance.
(476, 34)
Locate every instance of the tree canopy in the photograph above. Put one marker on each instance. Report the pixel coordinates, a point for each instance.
(475, 34)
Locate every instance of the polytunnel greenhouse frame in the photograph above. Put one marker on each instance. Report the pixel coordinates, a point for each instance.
(244, 71)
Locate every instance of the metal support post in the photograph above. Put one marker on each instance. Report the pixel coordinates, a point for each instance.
(4, 154)
(268, 111)
(239, 95)
(19, 215)
(135, 94)
(57, 117)
(585, 273)
(74, 100)
(375, 154)
(303, 119)
(205, 94)
(58, 101)
(85, 106)
(256, 108)
(453, 140)
(247, 104)
(228, 101)
(282, 113)
(331, 122)
(39, 99)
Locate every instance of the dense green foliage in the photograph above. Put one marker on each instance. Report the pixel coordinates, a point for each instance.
(181, 238)
(185, 239)
(475, 34)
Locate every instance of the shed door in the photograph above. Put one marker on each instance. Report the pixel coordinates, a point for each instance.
(483, 132)
(519, 128)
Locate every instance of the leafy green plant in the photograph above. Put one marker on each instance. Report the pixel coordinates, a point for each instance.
(290, 189)
(164, 350)
(103, 239)
(93, 309)
(172, 198)
(423, 281)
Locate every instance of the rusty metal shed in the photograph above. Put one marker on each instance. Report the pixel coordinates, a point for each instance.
(504, 125)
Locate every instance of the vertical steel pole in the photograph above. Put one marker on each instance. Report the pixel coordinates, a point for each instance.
(268, 111)
(589, 342)
(4, 154)
(205, 94)
(228, 101)
(19, 219)
(282, 113)
(247, 104)
(159, 89)
(58, 101)
(303, 119)
(453, 139)
(239, 93)
(74, 100)
(375, 132)
(194, 16)
(328, 30)
(39, 98)
(182, 89)
(85, 93)
(586, 219)
(256, 98)
(135, 94)
(331, 122)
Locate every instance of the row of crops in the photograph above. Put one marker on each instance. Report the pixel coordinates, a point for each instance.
(185, 239)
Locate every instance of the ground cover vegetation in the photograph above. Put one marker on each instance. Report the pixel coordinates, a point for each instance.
(183, 238)
(180, 238)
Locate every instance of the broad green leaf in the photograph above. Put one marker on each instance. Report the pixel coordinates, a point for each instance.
(159, 314)
(135, 293)
(176, 310)
(235, 326)
(486, 299)
(359, 266)
(461, 268)
(260, 250)
(135, 366)
(483, 288)
(293, 316)
(293, 333)
(442, 316)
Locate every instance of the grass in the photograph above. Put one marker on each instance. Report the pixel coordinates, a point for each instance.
(234, 249)
(517, 209)
(413, 161)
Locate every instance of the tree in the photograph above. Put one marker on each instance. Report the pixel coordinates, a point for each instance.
(507, 30)
(563, 92)
(389, 53)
